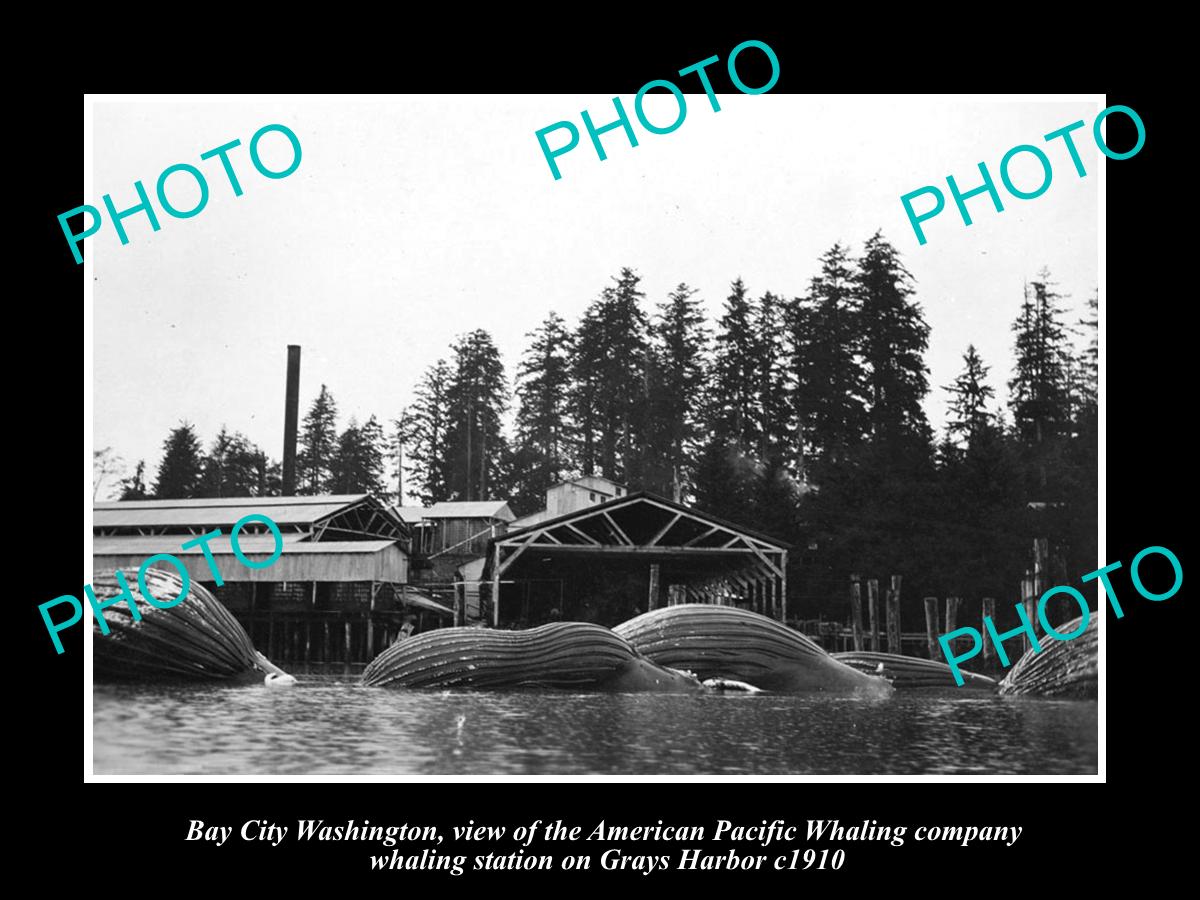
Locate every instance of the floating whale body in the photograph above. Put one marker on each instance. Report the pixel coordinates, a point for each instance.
(910, 673)
(1067, 669)
(724, 642)
(196, 639)
(562, 655)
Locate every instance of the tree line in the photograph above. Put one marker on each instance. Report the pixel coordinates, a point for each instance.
(799, 416)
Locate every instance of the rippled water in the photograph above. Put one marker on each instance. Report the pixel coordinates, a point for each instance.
(335, 728)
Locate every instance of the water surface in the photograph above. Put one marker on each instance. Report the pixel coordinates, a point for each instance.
(340, 728)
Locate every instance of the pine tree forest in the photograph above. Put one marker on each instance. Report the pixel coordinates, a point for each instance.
(800, 416)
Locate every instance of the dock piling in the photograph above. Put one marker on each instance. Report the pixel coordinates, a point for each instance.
(931, 625)
(856, 611)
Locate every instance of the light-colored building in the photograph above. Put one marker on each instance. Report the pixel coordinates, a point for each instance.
(337, 593)
(573, 495)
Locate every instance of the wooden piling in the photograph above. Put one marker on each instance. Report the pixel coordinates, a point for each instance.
(346, 629)
(1030, 604)
(893, 616)
(951, 618)
(952, 613)
(873, 611)
(654, 573)
(370, 654)
(989, 613)
(931, 626)
(856, 611)
(1041, 579)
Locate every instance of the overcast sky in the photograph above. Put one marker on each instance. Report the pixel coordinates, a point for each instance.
(414, 219)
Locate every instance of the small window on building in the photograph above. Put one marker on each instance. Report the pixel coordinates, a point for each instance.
(618, 492)
(592, 496)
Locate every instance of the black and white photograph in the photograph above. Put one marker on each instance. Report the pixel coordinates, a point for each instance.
(521, 435)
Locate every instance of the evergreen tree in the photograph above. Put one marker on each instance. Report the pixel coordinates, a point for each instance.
(267, 476)
(1038, 389)
(476, 399)
(894, 340)
(1089, 361)
(727, 479)
(236, 467)
(134, 487)
(970, 393)
(318, 445)
(836, 381)
(734, 383)
(542, 455)
(679, 341)
(357, 467)
(608, 367)
(425, 436)
(181, 466)
(776, 429)
(803, 382)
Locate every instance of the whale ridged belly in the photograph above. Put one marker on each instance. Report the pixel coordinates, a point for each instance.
(731, 643)
(561, 655)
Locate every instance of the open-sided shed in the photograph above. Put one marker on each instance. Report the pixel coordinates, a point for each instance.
(676, 554)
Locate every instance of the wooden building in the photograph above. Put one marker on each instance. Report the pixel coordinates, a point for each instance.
(447, 535)
(605, 561)
(335, 597)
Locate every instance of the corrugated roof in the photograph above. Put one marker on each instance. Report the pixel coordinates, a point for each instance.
(193, 502)
(129, 545)
(474, 509)
(218, 511)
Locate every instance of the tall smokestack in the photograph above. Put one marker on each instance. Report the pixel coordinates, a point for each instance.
(291, 414)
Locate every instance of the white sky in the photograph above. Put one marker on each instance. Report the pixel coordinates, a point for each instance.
(414, 219)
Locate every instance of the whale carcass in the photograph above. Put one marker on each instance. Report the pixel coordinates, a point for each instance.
(1066, 669)
(196, 639)
(910, 672)
(561, 655)
(729, 643)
